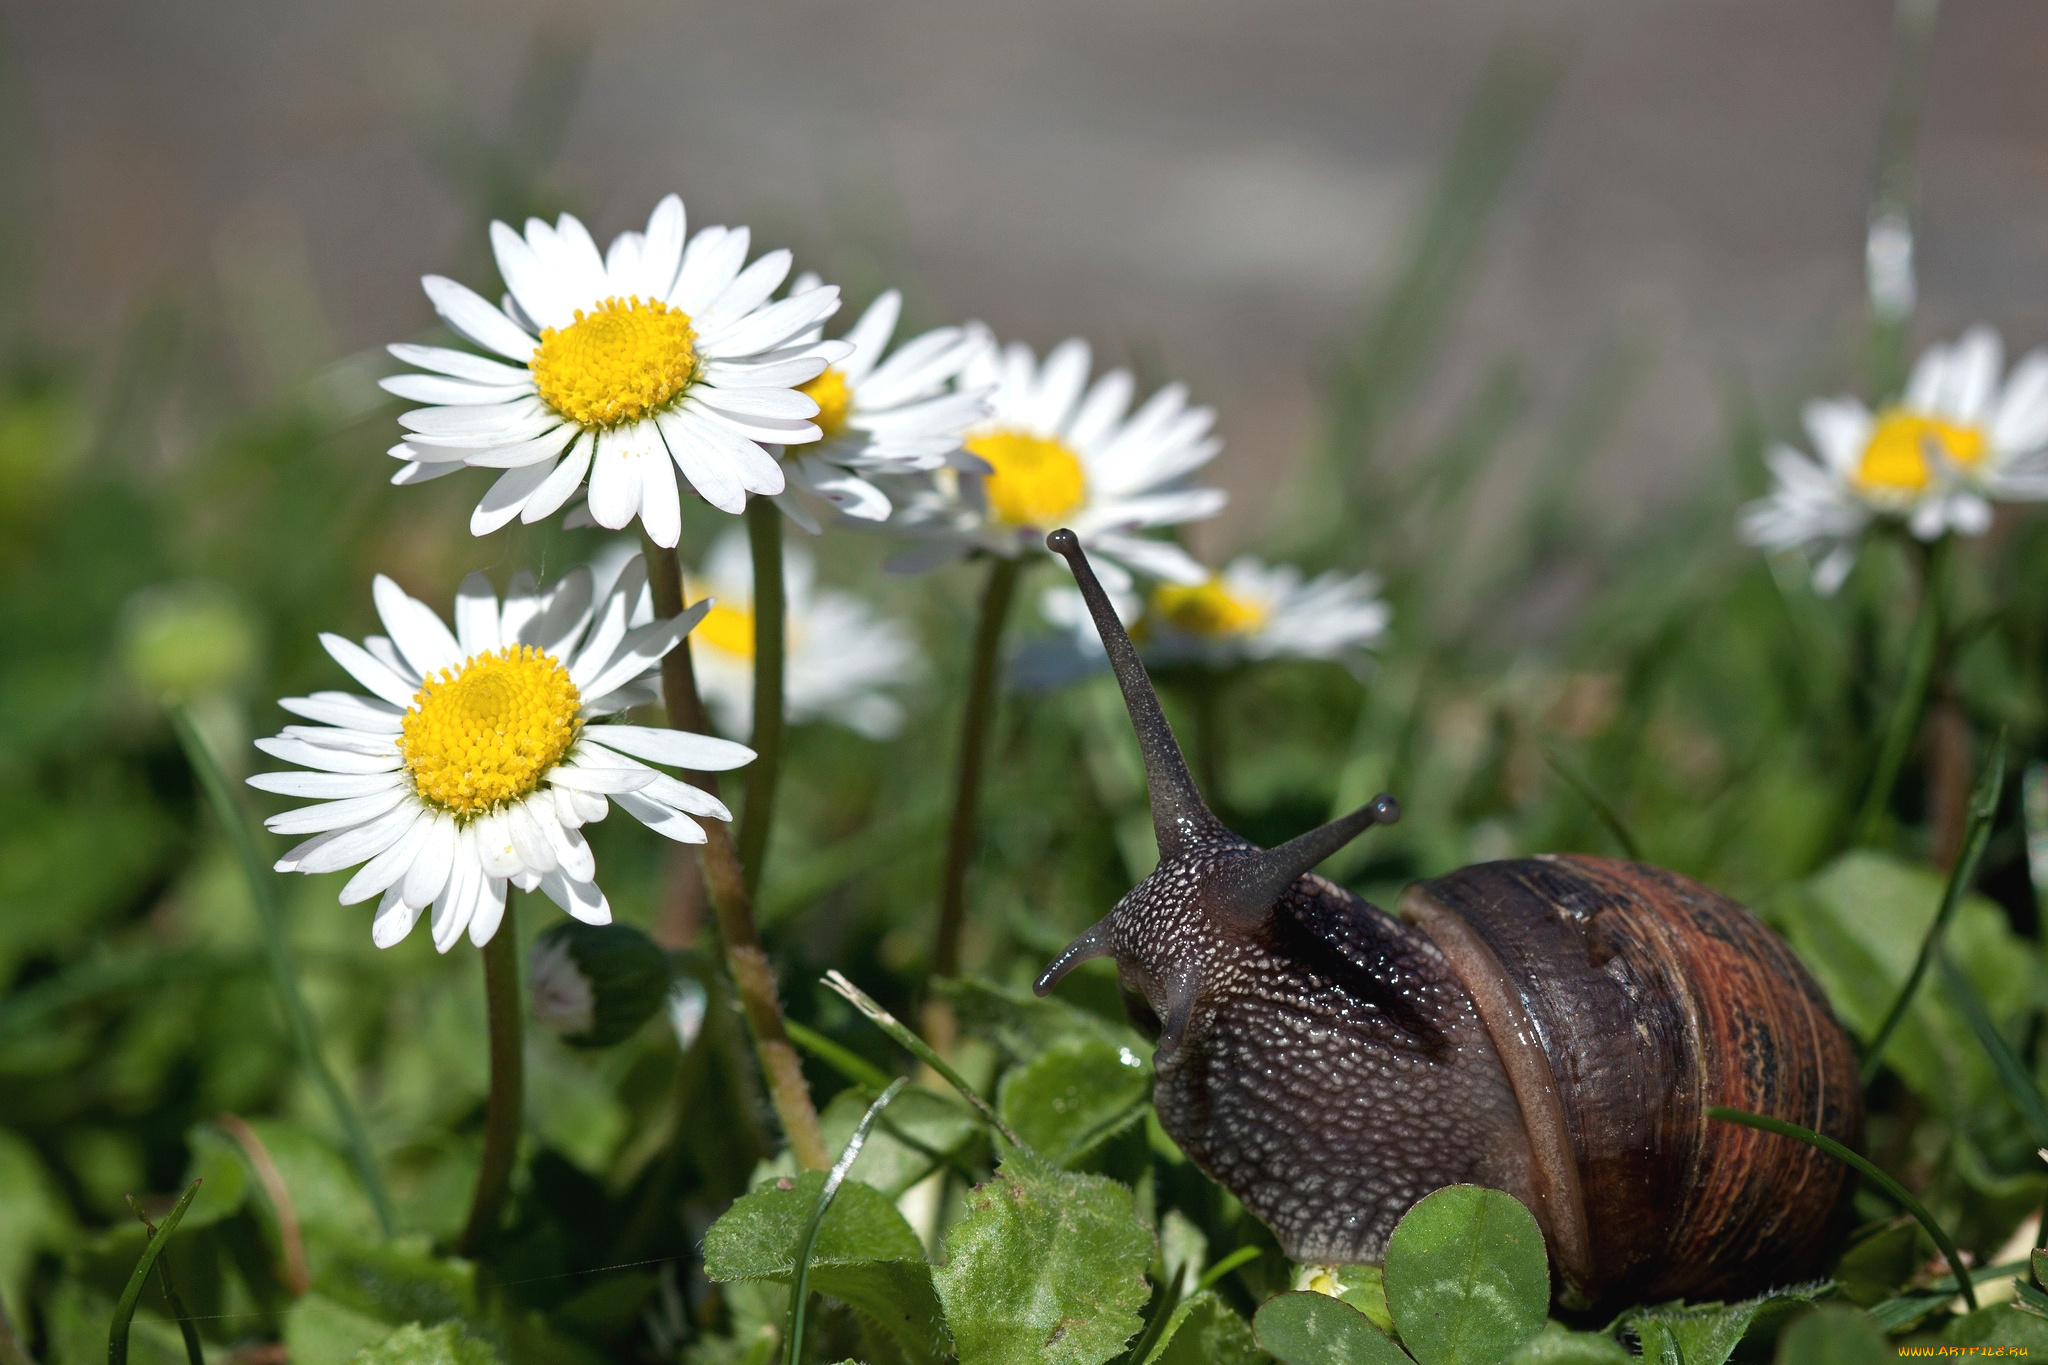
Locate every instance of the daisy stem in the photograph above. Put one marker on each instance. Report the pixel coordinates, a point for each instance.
(975, 724)
(1921, 658)
(752, 976)
(284, 971)
(508, 1085)
(764, 537)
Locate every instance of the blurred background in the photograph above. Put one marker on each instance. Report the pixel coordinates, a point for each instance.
(1214, 188)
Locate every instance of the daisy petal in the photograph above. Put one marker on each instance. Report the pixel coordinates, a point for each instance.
(469, 313)
(670, 824)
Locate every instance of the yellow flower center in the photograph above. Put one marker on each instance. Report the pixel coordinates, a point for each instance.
(1208, 609)
(1036, 481)
(486, 733)
(834, 397)
(729, 630)
(616, 364)
(1896, 459)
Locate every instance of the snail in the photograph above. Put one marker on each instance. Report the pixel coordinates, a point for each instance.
(1555, 1027)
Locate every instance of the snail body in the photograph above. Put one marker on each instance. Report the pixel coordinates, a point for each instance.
(1555, 1027)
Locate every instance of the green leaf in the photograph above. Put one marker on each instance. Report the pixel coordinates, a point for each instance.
(36, 1219)
(319, 1331)
(1707, 1334)
(219, 1163)
(1879, 1265)
(1074, 1096)
(1859, 923)
(1045, 1266)
(1204, 1330)
(396, 1282)
(866, 1256)
(1024, 1025)
(1835, 1335)
(447, 1344)
(1556, 1346)
(1466, 1276)
(1362, 1286)
(1302, 1327)
(325, 1192)
(898, 1153)
(2005, 1325)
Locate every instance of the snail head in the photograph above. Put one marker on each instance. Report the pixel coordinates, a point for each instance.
(1213, 891)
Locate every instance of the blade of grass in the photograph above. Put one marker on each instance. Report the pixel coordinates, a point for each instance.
(1607, 814)
(1905, 721)
(124, 1311)
(1896, 1313)
(1983, 805)
(1215, 1273)
(284, 972)
(194, 1354)
(1869, 1172)
(800, 1284)
(845, 1061)
(922, 1050)
(2019, 1083)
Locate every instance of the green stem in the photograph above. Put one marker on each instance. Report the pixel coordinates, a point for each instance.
(508, 1085)
(1922, 653)
(725, 882)
(771, 638)
(284, 972)
(1208, 706)
(1871, 1173)
(1982, 807)
(124, 1311)
(962, 836)
(919, 1048)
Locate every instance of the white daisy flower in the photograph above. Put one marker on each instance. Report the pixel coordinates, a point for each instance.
(1251, 610)
(655, 352)
(1057, 457)
(842, 657)
(474, 762)
(1955, 442)
(899, 415)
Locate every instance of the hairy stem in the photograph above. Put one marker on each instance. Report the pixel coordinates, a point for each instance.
(781, 1068)
(508, 1085)
(975, 724)
(764, 537)
(284, 971)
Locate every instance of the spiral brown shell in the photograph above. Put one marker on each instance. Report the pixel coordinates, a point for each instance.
(1624, 1001)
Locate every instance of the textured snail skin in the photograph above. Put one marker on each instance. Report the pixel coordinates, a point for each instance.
(1330, 1070)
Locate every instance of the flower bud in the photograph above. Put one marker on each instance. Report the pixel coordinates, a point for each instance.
(594, 984)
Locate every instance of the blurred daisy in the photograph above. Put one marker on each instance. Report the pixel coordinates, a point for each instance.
(1957, 440)
(882, 416)
(1251, 610)
(653, 357)
(1057, 457)
(842, 656)
(474, 762)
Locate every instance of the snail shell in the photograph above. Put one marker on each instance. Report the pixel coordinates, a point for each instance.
(1623, 1002)
(1554, 1027)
